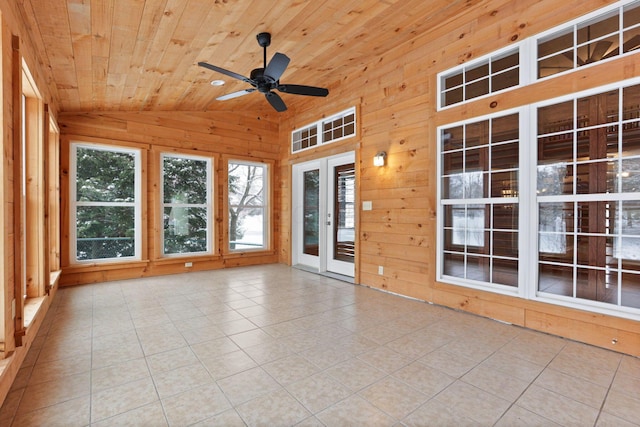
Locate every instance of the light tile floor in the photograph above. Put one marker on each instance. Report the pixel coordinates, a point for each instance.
(275, 346)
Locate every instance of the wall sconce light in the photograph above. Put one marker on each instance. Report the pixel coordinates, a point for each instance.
(380, 158)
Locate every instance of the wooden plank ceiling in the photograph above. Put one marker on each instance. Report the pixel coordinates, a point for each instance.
(140, 55)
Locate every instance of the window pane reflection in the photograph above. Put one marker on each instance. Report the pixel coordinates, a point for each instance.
(597, 285)
(505, 272)
(555, 279)
(630, 290)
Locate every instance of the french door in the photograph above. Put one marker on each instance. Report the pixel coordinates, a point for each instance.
(323, 211)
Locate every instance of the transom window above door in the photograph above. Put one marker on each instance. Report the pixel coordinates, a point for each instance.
(330, 129)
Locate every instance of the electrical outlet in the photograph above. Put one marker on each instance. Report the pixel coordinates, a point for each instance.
(380, 270)
(188, 264)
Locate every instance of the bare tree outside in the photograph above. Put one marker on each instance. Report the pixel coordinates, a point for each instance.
(246, 205)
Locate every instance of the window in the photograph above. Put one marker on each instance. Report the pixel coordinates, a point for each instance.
(187, 210)
(340, 126)
(248, 202)
(304, 138)
(588, 195)
(479, 170)
(33, 206)
(554, 218)
(487, 75)
(605, 35)
(585, 196)
(331, 129)
(611, 32)
(53, 175)
(105, 203)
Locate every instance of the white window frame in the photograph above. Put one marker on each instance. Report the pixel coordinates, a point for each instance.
(208, 205)
(266, 211)
(572, 26)
(488, 58)
(74, 204)
(569, 301)
(527, 197)
(516, 199)
(299, 140)
(528, 202)
(319, 129)
(528, 54)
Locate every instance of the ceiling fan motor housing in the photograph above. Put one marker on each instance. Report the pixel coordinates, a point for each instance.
(264, 39)
(263, 83)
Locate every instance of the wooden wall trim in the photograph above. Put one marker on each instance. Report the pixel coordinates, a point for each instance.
(18, 231)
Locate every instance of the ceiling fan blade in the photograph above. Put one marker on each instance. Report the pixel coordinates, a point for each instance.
(225, 72)
(599, 50)
(632, 44)
(276, 102)
(235, 94)
(303, 90)
(276, 66)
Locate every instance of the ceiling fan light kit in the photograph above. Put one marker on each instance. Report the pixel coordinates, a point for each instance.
(267, 79)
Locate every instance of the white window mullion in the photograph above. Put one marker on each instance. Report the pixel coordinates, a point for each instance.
(528, 61)
(528, 208)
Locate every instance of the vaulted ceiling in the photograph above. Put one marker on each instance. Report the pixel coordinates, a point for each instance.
(138, 55)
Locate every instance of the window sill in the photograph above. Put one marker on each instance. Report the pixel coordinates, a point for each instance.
(54, 278)
(246, 254)
(185, 258)
(105, 266)
(31, 309)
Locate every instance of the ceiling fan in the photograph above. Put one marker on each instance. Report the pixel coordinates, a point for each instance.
(265, 80)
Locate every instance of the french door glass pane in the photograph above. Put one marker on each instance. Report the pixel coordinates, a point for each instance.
(344, 229)
(311, 213)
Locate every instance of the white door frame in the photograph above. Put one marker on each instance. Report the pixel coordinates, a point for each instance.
(297, 210)
(324, 262)
(333, 265)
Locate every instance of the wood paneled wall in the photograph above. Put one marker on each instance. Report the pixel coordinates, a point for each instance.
(396, 96)
(16, 45)
(219, 135)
